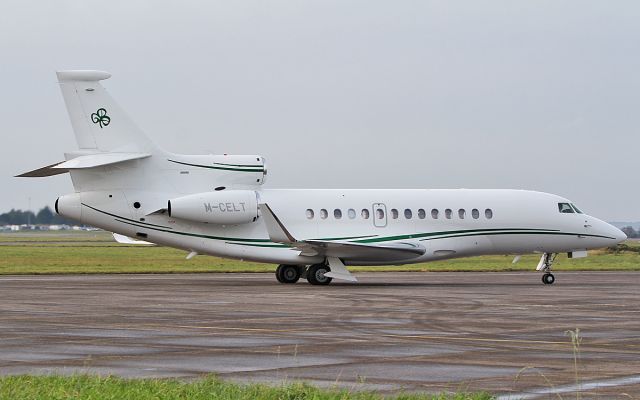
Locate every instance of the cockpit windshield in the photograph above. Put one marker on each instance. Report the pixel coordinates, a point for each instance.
(576, 208)
(565, 208)
(568, 208)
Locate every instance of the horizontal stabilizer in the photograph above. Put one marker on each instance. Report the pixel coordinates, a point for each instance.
(83, 162)
(44, 171)
(99, 160)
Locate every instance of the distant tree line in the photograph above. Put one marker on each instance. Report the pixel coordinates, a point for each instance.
(630, 232)
(44, 217)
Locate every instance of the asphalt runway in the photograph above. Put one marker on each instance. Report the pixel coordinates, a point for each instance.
(500, 332)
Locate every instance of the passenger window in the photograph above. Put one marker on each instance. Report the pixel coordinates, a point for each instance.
(394, 213)
(434, 213)
(408, 214)
(461, 213)
(576, 208)
(309, 213)
(352, 213)
(422, 214)
(488, 213)
(365, 213)
(475, 213)
(379, 213)
(565, 208)
(324, 214)
(337, 213)
(447, 213)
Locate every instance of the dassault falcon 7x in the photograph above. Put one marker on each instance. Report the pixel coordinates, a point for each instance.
(216, 205)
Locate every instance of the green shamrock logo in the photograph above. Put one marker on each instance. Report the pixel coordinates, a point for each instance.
(100, 117)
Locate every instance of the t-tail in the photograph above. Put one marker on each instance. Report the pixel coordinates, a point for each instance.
(117, 166)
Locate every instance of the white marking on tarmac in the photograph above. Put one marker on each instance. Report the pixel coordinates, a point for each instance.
(536, 393)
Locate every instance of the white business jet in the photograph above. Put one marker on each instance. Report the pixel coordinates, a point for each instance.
(216, 205)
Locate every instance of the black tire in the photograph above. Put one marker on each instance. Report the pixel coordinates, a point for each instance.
(279, 274)
(288, 273)
(548, 279)
(315, 274)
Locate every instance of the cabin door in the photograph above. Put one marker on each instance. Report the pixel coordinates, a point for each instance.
(379, 215)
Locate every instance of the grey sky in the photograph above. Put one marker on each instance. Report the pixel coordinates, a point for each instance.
(539, 95)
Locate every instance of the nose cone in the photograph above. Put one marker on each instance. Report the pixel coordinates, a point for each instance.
(605, 231)
(618, 234)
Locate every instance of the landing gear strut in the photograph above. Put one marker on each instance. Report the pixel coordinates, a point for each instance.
(288, 273)
(546, 262)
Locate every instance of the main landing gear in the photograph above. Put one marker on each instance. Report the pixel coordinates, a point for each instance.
(288, 273)
(546, 262)
(315, 274)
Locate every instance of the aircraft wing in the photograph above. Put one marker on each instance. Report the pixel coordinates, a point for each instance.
(348, 251)
(361, 251)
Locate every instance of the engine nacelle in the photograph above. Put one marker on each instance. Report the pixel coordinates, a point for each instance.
(224, 207)
(69, 206)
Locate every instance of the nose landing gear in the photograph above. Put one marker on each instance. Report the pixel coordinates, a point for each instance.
(545, 265)
(548, 278)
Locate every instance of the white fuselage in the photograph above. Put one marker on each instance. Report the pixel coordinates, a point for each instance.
(479, 222)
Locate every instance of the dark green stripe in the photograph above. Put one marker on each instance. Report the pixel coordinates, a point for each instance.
(247, 169)
(429, 234)
(517, 233)
(280, 245)
(344, 238)
(128, 219)
(240, 165)
(199, 235)
(150, 226)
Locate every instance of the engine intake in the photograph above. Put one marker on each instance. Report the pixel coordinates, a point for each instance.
(225, 207)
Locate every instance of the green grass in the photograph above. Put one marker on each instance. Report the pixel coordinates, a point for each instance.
(96, 252)
(27, 387)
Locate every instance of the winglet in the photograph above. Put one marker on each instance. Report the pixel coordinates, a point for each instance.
(277, 232)
(127, 240)
(338, 270)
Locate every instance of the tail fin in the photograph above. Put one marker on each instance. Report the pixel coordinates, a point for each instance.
(97, 120)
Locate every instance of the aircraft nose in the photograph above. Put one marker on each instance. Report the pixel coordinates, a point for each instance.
(618, 234)
(607, 230)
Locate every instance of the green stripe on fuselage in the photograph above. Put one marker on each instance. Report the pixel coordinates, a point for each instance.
(238, 169)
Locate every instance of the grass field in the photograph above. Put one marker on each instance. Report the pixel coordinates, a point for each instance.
(96, 252)
(81, 387)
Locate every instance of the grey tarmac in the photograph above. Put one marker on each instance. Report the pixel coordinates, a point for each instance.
(500, 332)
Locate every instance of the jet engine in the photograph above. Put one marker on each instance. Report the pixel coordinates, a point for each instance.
(224, 207)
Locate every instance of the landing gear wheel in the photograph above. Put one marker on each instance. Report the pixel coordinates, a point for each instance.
(278, 274)
(316, 274)
(287, 273)
(548, 278)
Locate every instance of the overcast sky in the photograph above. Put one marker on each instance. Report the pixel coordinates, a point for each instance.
(541, 95)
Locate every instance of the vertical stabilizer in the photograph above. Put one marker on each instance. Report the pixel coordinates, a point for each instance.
(98, 122)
